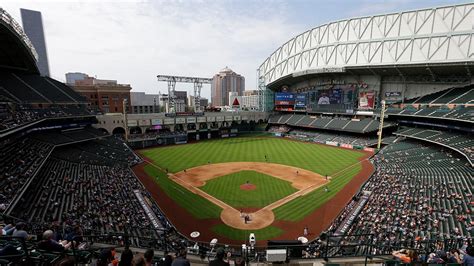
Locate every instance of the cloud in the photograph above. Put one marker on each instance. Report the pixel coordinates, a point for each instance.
(133, 41)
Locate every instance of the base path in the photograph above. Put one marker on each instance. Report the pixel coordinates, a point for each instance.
(318, 221)
(298, 177)
(303, 180)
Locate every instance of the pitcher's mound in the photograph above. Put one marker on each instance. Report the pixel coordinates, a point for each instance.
(248, 186)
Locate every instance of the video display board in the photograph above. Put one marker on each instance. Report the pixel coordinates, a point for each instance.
(366, 100)
(284, 101)
(300, 101)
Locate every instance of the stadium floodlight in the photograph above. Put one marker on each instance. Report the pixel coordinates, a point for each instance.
(171, 89)
(125, 118)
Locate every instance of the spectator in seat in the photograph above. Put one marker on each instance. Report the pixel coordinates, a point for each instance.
(105, 257)
(126, 258)
(149, 257)
(49, 244)
(139, 260)
(469, 256)
(239, 261)
(453, 256)
(7, 230)
(20, 231)
(181, 259)
(406, 256)
(167, 260)
(219, 261)
(8, 250)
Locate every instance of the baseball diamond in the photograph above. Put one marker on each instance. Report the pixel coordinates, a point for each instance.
(290, 186)
(348, 142)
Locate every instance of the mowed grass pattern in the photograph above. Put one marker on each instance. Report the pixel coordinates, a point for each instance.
(198, 206)
(268, 189)
(317, 158)
(341, 164)
(300, 207)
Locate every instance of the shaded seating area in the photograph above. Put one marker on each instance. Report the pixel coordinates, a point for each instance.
(19, 161)
(462, 143)
(322, 137)
(66, 137)
(459, 112)
(365, 125)
(17, 115)
(103, 151)
(30, 88)
(455, 95)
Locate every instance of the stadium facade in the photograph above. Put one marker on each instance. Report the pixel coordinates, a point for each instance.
(395, 56)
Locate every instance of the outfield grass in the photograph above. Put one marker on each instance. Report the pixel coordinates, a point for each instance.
(325, 160)
(268, 189)
(198, 206)
(317, 158)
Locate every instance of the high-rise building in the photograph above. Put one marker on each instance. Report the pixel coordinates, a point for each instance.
(250, 100)
(203, 102)
(72, 77)
(33, 27)
(143, 103)
(224, 82)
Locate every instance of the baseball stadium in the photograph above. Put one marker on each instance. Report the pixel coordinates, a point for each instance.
(361, 152)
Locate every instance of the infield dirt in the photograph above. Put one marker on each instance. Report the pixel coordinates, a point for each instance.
(317, 221)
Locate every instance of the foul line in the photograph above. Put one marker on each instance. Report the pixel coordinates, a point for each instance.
(223, 205)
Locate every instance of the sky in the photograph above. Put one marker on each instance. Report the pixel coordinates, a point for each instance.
(132, 41)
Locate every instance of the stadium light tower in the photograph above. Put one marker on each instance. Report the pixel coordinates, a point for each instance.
(382, 115)
(125, 104)
(171, 89)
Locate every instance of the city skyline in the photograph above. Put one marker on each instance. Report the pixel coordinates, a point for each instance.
(133, 41)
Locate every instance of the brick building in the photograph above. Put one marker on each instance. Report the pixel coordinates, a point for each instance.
(106, 96)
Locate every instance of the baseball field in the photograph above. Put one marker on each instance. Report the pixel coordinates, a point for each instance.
(272, 187)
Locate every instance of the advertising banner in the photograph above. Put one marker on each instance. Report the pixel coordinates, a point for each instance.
(180, 120)
(284, 103)
(284, 99)
(393, 94)
(168, 121)
(284, 96)
(300, 102)
(367, 100)
(349, 146)
(332, 143)
(144, 122)
(156, 122)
